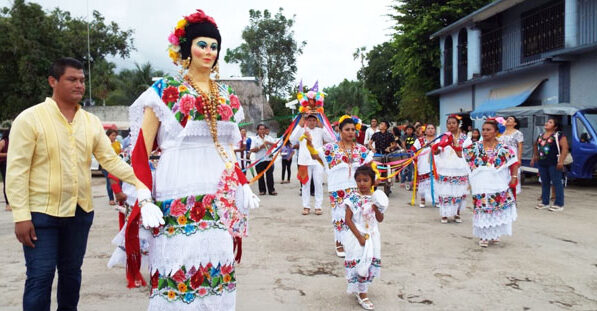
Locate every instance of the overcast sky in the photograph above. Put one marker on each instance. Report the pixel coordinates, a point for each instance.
(333, 29)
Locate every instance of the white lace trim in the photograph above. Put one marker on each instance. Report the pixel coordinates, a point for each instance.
(168, 254)
(498, 218)
(451, 210)
(449, 189)
(492, 233)
(227, 301)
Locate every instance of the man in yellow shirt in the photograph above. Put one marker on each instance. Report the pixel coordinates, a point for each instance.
(48, 183)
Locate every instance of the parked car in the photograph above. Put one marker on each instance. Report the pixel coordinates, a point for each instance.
(579, 124)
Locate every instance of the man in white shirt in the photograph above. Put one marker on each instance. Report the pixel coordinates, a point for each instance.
(370, 131)
(259, 146)
(318, 136)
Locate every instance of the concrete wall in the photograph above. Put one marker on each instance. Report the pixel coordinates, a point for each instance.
(110, 113)
(583, 72)
(459, 101)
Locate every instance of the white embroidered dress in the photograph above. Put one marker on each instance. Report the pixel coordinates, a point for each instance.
(494, 207)
(452, 179)
(363, 263)
(341, 182)
(191, 257)
(424, 171)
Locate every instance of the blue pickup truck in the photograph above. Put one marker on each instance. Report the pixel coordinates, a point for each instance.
(579, 124)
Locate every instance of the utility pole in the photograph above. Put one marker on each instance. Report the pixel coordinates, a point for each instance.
(89, 55)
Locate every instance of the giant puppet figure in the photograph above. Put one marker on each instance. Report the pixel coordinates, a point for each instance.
(313, 128)
(201, 194)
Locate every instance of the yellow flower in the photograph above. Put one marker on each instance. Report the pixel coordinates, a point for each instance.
(171, 295)
(182, 220)
(227, 278)
(173, 55)
(299, 96)
(171, 230)
(182, 287)
(181, 23)
(182, 88)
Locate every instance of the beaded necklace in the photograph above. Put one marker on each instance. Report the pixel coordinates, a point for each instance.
(211, 102)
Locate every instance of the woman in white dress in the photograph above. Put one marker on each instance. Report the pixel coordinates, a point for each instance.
(424, 174)
(452, 179)
(200, 190)
(492, 168)
(514, 139)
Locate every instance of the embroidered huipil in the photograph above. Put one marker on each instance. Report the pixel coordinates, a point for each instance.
(452, 183)
(340, 167)
(191, 257)
(494, 207)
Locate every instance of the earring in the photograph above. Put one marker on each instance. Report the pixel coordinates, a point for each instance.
(184, 64)
(216, 70)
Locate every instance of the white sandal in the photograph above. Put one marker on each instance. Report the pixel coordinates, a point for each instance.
(483, 243)
(365, 303)
(339, 253)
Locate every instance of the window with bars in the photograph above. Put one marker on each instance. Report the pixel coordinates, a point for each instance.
(491, 51)
(462, 55)
(448, 63)
(542, 30)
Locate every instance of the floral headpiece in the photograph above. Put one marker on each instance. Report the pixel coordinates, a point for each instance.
(357, 122)
(313, 93)
(457, 117)
(178, 35)
(501, 124)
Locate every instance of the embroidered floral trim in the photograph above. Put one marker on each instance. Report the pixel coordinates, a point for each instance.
(544, 145)
(337, 197)
(455, 180)
(333, 155)
(451, 200)
(188, 215)
(188, 285)
(356, 278)
(424, 177)
(186, 104)
(476, 156)
(340, 225)
(489, 203)
(376, 262)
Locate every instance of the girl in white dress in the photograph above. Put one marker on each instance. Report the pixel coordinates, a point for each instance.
(364, 211)
(514, 139)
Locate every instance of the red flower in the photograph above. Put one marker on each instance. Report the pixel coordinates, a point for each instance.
(170, 94)
(341, 193)
(225, 111)
(208, 199)
(227, 269)
(197, 279)
(234, 102)
(179, 276)
(200, 16)
(327, 152)
(198, 211)
(156, 231)
(179, 32)
(187, 102)
(154, 280)
(199, 105)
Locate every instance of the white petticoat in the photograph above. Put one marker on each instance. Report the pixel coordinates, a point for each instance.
(492, 226)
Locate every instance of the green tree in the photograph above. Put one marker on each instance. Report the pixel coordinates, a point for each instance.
(130, 83)
(31, 39)
(380, 80)
(417, 62)
(269, 51)
(350, 97)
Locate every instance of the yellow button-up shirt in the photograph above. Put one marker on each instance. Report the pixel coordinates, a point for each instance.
(48, 166)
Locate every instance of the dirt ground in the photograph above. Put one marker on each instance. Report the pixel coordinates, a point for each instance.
(550, 263)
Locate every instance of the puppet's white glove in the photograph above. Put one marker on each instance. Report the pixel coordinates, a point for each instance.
(151, 214)
(251, 201)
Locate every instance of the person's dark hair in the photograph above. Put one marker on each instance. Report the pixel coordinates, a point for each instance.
(6, 133)
(59, 66)
(493, 123)
(260, 125)
(478, 133)
(345, 122)
(365, 170)
(517, 126)
(409, 127)
(111, 131)
(453, 117)
(203, 29)
(386, 123)
(396, 131)
(311, 116)
(556, 122)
